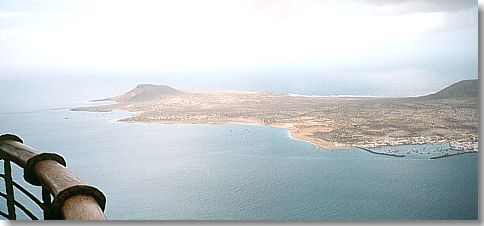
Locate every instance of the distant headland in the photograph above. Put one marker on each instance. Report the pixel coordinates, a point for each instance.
(450, 115)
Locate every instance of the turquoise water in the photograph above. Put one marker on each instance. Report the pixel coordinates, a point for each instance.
(240, 172)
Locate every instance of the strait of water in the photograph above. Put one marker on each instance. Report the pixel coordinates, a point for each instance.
(241, 172)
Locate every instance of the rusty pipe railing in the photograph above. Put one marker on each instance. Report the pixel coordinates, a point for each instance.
(73, 200)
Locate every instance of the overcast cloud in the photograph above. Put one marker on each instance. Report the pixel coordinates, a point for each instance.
(410, 46)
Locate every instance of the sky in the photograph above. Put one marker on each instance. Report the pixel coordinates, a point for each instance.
(325, 47)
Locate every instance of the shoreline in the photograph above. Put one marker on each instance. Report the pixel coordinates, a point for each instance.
(322, 146)
(288, 130)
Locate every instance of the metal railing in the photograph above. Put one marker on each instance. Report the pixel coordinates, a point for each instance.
(72, 200)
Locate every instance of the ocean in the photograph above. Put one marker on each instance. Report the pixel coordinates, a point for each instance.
(243, 172)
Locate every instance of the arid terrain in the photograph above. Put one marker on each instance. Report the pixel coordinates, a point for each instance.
(328, 122)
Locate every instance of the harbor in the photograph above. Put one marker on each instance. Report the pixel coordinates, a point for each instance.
(452, 149)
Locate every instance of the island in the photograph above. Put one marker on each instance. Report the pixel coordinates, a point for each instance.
(449, 116)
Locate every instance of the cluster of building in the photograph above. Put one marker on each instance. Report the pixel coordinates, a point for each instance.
(463, 145)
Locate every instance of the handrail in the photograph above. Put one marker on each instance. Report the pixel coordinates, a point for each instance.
(73, 200)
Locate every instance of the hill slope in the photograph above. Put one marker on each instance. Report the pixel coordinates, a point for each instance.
(461, 89)
(146, 92)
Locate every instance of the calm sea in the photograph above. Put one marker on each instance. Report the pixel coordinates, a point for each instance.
(239, 172)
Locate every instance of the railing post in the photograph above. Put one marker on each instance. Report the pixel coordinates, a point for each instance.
(9, 190)
(46, 199)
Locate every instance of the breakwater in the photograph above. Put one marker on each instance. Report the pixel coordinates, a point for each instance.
(380, 153)
(449, 155)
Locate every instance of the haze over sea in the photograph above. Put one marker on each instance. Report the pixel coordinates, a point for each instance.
(239, 172)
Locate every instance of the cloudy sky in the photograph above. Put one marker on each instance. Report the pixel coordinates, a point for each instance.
(399, 47)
